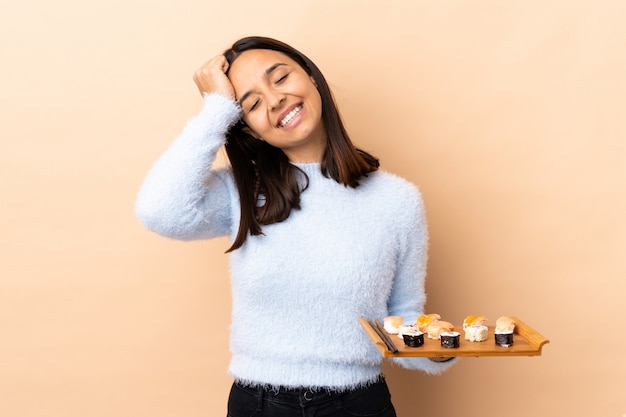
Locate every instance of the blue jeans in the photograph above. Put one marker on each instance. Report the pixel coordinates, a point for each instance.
(372, 400)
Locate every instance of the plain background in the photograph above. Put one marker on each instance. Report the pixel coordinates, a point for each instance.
(509, 116)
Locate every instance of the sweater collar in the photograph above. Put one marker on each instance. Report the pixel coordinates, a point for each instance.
(311, 169)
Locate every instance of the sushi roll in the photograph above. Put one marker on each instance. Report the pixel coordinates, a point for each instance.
(450, 339)
(475, 328)
(413, 338)
(505, 326)
(504, 339)
(476, 333)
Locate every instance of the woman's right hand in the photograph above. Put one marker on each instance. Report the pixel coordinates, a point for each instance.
(211, 77)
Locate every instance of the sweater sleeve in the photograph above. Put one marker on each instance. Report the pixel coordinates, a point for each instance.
(182, 197)
(408, 295)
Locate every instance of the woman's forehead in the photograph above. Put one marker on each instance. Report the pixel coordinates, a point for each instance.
(257, 62)
(254, 66)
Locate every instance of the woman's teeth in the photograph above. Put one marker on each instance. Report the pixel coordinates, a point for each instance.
(290, 116)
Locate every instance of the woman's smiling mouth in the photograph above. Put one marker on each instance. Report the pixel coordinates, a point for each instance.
(289, 116)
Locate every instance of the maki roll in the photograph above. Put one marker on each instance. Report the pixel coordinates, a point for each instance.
(476, 333)
(475, 328)
(450, 339)
(504, 339)
(413, 338)
(505, 326)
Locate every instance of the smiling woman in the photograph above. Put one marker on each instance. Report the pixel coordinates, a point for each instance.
(320, 237)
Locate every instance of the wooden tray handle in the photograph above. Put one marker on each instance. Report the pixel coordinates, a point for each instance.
(529, 333)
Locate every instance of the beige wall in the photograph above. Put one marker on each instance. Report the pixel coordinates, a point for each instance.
(508, 114)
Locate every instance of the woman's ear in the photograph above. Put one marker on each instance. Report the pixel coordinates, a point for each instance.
(313, 81)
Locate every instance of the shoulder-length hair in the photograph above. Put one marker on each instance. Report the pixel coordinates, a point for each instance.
(267, 182)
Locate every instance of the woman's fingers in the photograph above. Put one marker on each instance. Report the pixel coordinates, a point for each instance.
(211, 77)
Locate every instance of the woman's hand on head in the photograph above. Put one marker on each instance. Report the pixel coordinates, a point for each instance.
(211, 77)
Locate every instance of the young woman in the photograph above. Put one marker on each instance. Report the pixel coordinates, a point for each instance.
(319, 235)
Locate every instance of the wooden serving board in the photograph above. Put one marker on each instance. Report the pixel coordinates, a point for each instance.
(526, 342)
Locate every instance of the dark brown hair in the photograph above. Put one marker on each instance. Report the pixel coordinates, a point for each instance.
(268, 184)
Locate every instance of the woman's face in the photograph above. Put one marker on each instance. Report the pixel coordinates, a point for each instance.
(280, 103)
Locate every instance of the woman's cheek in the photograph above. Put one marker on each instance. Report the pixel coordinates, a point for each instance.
(253, 122)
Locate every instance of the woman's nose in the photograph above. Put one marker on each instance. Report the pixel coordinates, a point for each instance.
(276, 99)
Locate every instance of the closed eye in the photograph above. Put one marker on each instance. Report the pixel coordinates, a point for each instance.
(282, 78)
(254, 106)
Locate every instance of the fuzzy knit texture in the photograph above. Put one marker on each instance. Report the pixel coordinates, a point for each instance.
(299, 288)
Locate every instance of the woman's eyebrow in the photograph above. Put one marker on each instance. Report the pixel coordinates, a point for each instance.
(268, 71)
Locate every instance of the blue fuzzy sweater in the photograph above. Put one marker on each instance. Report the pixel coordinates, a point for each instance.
(298, 289)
